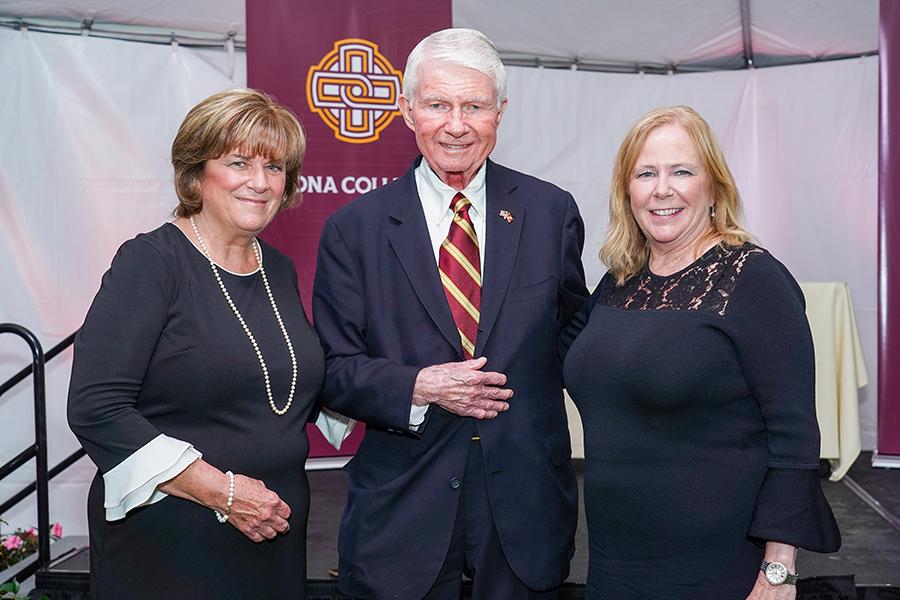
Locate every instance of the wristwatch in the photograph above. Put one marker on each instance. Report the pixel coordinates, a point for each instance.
(777, 574)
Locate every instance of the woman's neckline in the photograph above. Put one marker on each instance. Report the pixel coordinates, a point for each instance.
(199, 251)
(714, 250)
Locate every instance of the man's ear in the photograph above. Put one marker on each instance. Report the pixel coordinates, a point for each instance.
(501, 111)
(406, 111)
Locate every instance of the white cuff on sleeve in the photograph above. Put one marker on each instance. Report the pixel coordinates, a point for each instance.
(334, 426)
(417, 416)
(132, 482)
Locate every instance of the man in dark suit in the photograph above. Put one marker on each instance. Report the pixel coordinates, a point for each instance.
(466, 463)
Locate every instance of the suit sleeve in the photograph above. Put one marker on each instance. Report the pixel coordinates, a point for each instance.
(374, 390)
(775, 349)
(572, 290)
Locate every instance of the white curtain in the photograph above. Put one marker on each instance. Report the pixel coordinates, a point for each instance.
(84, 142)
(87, 125)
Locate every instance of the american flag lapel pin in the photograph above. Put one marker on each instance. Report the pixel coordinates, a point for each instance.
(506, 216)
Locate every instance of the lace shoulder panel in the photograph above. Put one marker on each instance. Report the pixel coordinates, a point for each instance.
(707, 284)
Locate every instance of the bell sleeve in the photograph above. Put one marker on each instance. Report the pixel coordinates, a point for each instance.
(769, 327)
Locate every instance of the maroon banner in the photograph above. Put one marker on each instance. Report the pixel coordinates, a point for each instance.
(888, 447)
(338, 65)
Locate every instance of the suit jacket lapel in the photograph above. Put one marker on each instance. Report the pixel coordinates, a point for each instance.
(412, 245)
(500, 252)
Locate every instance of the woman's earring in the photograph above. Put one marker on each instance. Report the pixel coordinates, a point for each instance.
(712, 211)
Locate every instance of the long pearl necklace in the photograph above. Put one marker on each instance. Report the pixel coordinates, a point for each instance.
(240, 318)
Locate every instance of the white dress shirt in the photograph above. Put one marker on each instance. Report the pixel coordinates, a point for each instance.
(436, 196)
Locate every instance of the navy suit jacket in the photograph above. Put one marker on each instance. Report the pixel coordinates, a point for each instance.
(382, 316)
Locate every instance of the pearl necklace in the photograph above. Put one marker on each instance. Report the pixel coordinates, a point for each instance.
(240, 318)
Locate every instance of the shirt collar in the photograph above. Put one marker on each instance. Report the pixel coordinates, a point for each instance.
(436, 194)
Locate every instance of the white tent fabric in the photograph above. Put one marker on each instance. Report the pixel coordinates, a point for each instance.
(688, 32)
(88, 124)
(609, 33)
(83, 166)
(208, 16)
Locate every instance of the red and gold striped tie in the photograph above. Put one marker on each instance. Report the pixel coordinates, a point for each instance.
(460, 267)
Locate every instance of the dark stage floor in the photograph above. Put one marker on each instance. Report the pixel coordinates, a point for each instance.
(870, 551)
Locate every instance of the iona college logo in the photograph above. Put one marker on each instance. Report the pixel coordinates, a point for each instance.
(355, 90)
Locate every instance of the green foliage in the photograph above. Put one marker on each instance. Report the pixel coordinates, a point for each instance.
(10, 591)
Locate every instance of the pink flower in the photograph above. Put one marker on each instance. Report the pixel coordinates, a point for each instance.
(56, 530)
(31, 532)
(12, 542)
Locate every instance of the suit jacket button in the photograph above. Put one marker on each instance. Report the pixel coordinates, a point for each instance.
(454, 483)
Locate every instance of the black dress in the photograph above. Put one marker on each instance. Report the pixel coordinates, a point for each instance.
(161, 353)
(696, 393)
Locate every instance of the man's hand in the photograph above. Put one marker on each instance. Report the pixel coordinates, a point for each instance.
(463, 389)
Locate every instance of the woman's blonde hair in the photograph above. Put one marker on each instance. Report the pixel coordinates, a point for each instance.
(246, 120)
(626, 249)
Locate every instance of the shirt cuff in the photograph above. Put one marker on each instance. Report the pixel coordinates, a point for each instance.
(335, 427)
(417, 416)
(133, 482)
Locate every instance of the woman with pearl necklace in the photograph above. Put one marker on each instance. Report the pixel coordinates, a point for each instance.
(195, 372)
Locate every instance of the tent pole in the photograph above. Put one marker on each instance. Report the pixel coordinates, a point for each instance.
(745, 30)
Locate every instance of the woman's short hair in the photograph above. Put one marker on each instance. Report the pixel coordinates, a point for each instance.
(626, 249)
(241, 119)
(462, 47)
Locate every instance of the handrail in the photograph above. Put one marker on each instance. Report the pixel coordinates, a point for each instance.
(24, 456)
(12, 381)
(14, 463)
(38, 450)
(29, 489)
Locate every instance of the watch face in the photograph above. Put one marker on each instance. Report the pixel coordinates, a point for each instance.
(776, 573)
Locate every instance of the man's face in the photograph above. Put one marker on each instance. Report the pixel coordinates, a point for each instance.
(455, 117)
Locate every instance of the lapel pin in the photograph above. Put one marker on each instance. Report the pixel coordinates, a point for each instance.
(506, 216)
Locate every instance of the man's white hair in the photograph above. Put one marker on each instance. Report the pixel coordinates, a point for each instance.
(462, 47)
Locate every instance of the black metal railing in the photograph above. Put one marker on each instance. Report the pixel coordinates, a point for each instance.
(57, 349)
(38, 450)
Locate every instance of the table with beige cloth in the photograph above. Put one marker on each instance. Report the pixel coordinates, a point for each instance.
(840, 372)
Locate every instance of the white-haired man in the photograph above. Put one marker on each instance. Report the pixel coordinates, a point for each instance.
(439, 299)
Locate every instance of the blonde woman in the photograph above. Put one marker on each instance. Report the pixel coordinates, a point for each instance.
(692, 367)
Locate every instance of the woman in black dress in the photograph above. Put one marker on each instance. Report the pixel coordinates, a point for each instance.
(692, 367)
(194, 375)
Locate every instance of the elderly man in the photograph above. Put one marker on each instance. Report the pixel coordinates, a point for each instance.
(439, 299)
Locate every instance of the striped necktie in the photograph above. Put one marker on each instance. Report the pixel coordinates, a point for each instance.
(460, 267)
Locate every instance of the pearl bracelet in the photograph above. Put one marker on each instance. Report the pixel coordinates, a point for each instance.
(224, 518)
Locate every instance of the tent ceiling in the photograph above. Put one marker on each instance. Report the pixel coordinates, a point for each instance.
(205, 16)
(679, 33)
(601, 34)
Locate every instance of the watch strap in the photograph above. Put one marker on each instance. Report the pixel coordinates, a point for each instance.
(790, 578)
